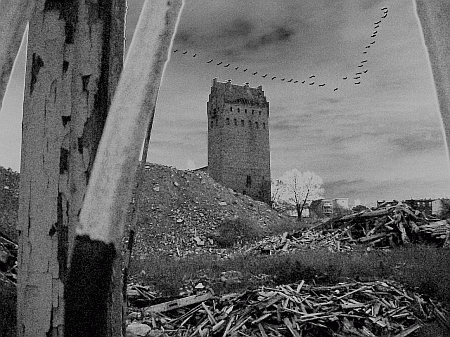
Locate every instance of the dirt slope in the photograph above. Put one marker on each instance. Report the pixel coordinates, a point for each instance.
(182, 212)
(9, 202)
(179, 209)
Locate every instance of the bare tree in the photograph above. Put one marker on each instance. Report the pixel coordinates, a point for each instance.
(276, 190)
(299, 188)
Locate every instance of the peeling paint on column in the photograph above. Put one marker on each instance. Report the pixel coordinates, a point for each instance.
(66, 99)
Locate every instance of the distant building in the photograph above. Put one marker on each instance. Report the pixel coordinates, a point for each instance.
(422, 205)
(321, 208)
(238, 139)
(340, 203)
(440, 206)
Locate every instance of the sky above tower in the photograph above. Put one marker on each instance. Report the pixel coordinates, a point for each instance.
(350, 90)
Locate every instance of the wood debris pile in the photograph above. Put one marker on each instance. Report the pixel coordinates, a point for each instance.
(302, 240)
(379, 308)
(8, 260)
(393, 225)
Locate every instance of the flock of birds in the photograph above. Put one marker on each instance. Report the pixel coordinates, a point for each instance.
(311, 80)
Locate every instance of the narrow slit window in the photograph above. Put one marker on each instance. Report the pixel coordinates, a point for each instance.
(231, 108)
(242, 122)
(235, 121)
(256, 125)
(264, 125)
(228, 121)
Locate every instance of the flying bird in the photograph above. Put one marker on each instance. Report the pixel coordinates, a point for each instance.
(355, 78)
(274, 78)
(377, 26)
(219, 63)
(383, 8)
(365, 71)
(209, 61)
(357, 82)
(375, 32)
(344, 78)
(254, 73)
(236, 68)
(311, 83)
(295, 81)
(364, 52)
(372, 42)
(363, 61)
(194, 55)
(185, 52)
(384, 16)
(264, 76)
(290, 80)
(335, 89)
(322, 85)
(378, 22)
(303, 81)
(175, 50)
(367, 47)
(358, 73)
(245, 69)
(312, 76)
(226, 65)
(374, 35)
(361, 65)
(283, 79)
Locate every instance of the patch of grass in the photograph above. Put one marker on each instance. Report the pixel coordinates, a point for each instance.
(237, 230)
(420, 268)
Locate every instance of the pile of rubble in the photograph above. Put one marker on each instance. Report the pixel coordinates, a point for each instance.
(379, 308)
(393, 225)
(181, 212)
(8, 260)
(387, 226)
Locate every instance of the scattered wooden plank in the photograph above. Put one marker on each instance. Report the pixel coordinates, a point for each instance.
(175, 304)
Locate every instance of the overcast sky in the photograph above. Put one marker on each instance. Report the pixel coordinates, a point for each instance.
(380, 139)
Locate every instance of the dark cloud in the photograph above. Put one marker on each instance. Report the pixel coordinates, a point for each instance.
(419, 142)
(278, 34)
(239, 27)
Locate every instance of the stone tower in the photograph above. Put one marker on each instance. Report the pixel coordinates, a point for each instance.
(238, 139)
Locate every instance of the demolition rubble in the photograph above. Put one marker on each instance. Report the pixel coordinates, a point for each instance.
(379, 308)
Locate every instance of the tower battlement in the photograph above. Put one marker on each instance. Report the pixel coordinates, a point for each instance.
(238, 138)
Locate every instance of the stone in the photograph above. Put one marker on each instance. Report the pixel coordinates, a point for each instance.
(137, 329)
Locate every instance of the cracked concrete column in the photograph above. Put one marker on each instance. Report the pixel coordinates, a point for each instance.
(74, 58)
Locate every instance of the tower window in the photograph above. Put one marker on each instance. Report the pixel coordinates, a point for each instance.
(242, 122)
(245, 110)
(264, 125)
(260, 113)
(212, 124)
(250, 123)
(253, 112)
(256, 125)
(235, 121)
(239, 110)
(228, 121)
(231, 108)
(217, 122)
(249, 181)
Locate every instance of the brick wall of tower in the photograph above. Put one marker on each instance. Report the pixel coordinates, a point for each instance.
(238, 139)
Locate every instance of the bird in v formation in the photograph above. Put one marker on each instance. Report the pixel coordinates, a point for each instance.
(311, 76)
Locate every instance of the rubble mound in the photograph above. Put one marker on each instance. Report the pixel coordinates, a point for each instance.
(185, 212)
(9, 202)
